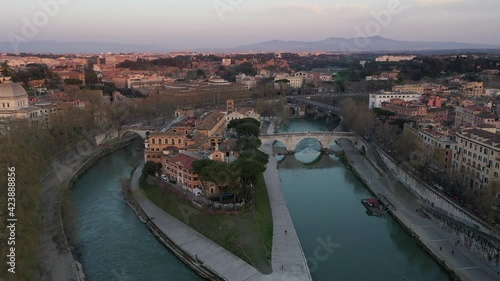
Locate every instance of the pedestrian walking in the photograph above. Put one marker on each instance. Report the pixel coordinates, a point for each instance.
(281, 267)
(440, 248)
(452, 252)
(286, 232)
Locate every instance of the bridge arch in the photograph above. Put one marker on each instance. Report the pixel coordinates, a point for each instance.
(326, 139)
(142, 133)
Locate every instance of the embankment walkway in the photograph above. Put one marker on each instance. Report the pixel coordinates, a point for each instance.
(438, 242)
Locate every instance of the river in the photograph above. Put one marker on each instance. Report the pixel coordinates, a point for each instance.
(115, 244)
(324, 202)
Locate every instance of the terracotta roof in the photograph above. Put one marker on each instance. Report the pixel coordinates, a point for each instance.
(483, 136)
(183, 160)
(211, 120)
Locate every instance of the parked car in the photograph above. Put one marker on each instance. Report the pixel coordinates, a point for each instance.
(164, 177)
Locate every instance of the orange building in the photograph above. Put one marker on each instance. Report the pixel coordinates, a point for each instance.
(159, 143)
(179, 168)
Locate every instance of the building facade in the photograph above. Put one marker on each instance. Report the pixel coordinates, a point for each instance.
(476, 157)
(376, 100)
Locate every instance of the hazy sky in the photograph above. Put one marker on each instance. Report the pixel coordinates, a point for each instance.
(198, 23)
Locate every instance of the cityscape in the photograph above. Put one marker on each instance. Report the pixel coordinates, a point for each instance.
(172, 141)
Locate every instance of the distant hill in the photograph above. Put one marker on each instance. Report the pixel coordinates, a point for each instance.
(334, 44)
(368, 44)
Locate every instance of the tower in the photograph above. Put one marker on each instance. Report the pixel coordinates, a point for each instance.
(230, 106)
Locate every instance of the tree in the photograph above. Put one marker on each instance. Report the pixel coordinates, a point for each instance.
(349, 110)
(251, 142)
(73, 81)
(364, 124)
(386, 135)
(6, 70)
(248, 129)
(234, 123)
(486, 200)
(405, 145)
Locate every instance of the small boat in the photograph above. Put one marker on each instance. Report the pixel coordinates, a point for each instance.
(373, 206)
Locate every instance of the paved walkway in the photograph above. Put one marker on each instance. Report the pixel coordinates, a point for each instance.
(287, 251)
(286, 247)
(440, 242)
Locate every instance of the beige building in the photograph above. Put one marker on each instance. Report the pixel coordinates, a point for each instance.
(376, 100)
(476, 157)
(14, 104)
(438, 146)
(473, 89)
(475, 116)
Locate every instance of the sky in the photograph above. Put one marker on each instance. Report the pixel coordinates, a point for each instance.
(192, 24)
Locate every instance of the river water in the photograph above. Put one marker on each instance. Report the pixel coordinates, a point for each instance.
(115, 244)
(324, 202)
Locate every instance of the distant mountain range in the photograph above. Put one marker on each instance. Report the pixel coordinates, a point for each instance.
(368, 44)
(360, 44)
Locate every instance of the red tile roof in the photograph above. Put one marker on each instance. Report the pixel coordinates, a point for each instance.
(183, 160)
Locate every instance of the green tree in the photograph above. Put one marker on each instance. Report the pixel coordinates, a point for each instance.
(73, 81)
(236, 122)
(248, 129)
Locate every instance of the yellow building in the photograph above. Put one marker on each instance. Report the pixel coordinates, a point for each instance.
(473, 89)
(409, 88)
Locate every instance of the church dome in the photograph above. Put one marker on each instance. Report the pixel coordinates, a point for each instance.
(12, 90)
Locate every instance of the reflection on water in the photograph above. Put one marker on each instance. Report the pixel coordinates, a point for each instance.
(324, 201)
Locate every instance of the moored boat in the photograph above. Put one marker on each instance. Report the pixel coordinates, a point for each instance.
(373, 206)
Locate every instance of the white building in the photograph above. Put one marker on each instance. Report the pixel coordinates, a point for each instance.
(376, 100)
(245, 112)
(326, 77)
(227, 62)
(296, 82)
(394, 58)
(14, 103)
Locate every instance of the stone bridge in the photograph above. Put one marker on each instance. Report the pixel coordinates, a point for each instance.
(321, 107)
(290, 140)
(143, 132)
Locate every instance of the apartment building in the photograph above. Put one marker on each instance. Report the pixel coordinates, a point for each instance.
(438, 146)
(376, 100)
(406, 109)
(179, 168)
(159, 143)
(472, 89)
(475, 116)
(476, 157)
